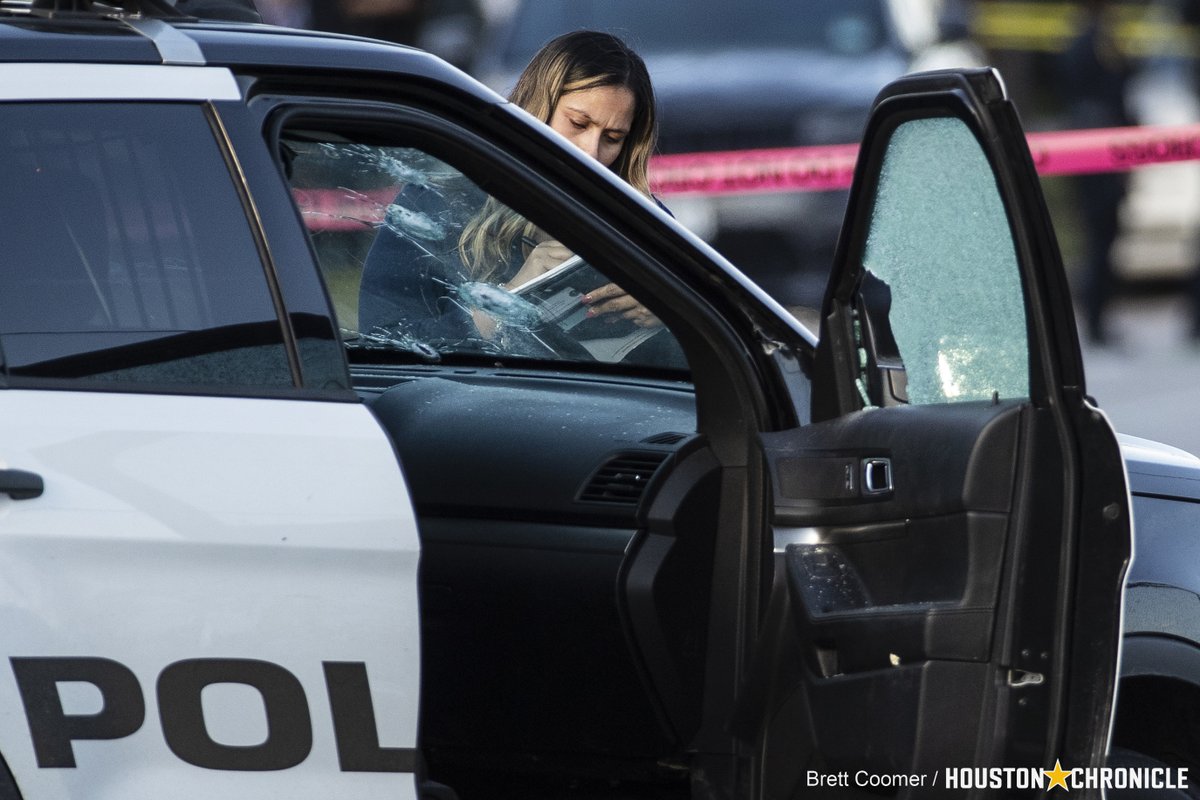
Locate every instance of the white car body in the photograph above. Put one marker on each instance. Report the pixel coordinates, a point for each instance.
(304, 505)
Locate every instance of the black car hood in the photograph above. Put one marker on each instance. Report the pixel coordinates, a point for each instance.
(1156, 468)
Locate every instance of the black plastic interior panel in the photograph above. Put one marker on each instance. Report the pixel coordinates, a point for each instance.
(522, 445)
(943, 459)
(666, 585)
(858, 731)
(890, 584)
(523, 650)
(521, 557)
(943, 559)
(907, 575)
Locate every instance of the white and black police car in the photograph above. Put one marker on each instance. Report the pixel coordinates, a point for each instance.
(297, 506)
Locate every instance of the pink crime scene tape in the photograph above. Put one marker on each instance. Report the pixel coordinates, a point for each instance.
(785, 169)
(1112, 149)
(832, 167)
(799, 169)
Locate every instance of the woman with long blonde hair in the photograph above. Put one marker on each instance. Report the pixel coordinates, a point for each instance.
(584, 68)
(595, 91)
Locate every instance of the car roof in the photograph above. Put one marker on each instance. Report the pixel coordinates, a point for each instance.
(99, 39)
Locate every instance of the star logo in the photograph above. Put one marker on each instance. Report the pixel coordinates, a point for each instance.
(1057, 776)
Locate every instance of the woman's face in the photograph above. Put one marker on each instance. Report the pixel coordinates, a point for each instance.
(596, 120)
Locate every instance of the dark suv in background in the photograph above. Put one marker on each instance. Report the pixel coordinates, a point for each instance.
(739, 76)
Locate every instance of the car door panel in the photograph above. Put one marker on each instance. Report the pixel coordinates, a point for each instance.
(114, 563)
(927, 524)
(916, 566)
(893, 583)
(177, 620)
(942, 459)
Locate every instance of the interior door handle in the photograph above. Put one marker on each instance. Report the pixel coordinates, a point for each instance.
(877, 476)
(21, 485)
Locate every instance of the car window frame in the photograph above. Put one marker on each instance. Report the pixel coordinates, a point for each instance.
(306, 311)
(750, 360)
(839, 395)
(878, 338)
(497, 172)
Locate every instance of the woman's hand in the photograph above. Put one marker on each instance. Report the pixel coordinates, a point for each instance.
(545, 256)
(614, 303)
(542, 258)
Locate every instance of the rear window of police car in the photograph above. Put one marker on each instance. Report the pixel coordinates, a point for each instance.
(128, 258)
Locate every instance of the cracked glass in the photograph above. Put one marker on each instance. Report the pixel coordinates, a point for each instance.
(941, 268)
(419, 260)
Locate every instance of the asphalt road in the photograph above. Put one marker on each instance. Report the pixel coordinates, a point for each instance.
(1148, 381)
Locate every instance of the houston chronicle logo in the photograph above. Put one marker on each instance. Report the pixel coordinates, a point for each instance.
(1048, 780)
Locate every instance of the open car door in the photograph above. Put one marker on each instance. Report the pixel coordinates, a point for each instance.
(952, 530)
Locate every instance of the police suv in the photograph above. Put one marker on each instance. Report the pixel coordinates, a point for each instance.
(261, 539)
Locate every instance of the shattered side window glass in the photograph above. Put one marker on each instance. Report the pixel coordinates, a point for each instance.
(941, 249)
(420, 260)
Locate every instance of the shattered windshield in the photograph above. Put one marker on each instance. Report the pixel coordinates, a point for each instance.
(420, 261)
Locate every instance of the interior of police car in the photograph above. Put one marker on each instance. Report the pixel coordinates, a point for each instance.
(697, 558)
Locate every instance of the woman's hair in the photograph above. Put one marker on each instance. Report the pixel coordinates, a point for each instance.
(569, 63)
(587, 60)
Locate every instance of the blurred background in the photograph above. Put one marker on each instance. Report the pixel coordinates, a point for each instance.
(780, 73)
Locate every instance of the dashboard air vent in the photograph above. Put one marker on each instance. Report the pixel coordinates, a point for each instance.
(669, 437)
(622, 479)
